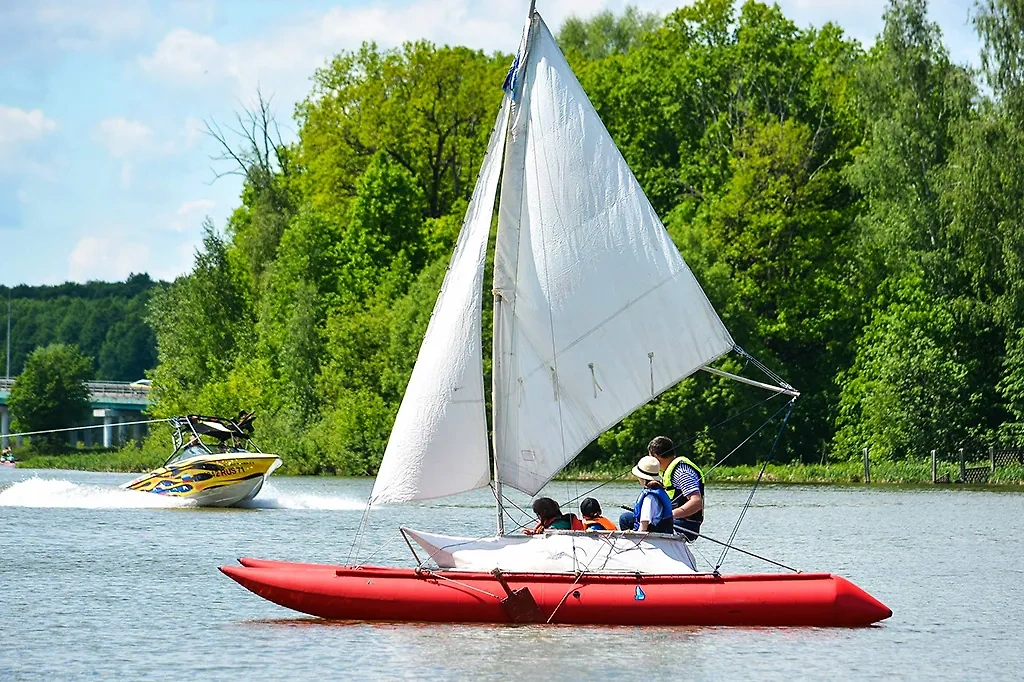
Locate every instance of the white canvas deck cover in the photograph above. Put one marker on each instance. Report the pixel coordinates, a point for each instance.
(438, 445)
(597, 312)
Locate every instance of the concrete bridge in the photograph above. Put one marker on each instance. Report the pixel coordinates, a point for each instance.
(113, 402)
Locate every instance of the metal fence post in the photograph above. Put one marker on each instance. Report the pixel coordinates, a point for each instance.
(992, 458)
(935, 476)
(867, 466)
(963, 467)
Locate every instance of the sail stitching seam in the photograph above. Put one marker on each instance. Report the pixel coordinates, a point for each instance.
(551, 316)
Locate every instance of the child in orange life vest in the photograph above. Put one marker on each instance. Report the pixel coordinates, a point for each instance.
(592, 519)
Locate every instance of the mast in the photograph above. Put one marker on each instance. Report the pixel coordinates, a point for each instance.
(495, 373)
(496, 328)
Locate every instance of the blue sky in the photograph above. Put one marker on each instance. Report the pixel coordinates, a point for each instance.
(104, 167)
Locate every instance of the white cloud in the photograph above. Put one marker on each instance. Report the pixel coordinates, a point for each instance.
(189, 214)
(18, 125)
(81, 25)
(282, 60)
(195, 206)
(184, 56)
(123, 137)
(20, 134)
(35, 33)
(108, 258)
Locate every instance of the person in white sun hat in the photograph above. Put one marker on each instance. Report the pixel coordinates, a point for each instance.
(652, 512)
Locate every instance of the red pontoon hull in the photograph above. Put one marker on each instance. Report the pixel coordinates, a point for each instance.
(403, 595)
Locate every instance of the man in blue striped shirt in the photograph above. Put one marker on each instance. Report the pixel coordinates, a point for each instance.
(684, 483)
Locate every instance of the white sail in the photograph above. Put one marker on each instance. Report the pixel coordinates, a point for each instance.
(438, 445)
(596, 312)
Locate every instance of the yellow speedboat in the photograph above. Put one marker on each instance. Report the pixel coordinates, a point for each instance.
(222, 473)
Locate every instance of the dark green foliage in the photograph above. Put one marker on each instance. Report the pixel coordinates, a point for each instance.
(203, 323)
(855, 217)
(915, 381)
(51, 393)
(106, 320)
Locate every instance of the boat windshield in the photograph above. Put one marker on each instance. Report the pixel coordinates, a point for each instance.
(196, 450)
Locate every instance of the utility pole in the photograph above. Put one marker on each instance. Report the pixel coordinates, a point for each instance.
(8, 365)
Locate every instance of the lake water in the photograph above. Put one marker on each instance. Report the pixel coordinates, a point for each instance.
(102, 583)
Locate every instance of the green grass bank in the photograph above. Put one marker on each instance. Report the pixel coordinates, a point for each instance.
(906, 472)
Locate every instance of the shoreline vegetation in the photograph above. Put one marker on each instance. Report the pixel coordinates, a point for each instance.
(905, 472)
(846, 209)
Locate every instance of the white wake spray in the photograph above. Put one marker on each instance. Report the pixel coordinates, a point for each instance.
(272, 498)
(59, 493)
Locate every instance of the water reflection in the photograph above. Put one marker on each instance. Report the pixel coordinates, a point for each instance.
(93, 591)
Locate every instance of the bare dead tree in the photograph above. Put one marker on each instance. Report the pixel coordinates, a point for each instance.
(252, 145)
(252, 148)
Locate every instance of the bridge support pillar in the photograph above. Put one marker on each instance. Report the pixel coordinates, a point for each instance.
(108, 430)
(5, 425)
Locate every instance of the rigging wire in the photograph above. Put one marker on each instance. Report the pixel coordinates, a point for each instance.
(757, 363)
(692, 439)
(750, 497)
(357, 539)
(745, 440)
(507, 513)
(380, 548)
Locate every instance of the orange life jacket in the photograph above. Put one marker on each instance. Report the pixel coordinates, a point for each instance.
(600, 521)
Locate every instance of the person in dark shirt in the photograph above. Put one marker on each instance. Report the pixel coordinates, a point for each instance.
(550, 516)
(684, 483)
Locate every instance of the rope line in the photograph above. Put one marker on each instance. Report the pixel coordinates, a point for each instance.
(579, 576)
(750, 497)
(757, 363)
(438, 576)
(729, 545)
(83, 428)
(380, 548)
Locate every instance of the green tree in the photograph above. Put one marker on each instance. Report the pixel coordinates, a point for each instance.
(982, 194)
(606, 34)
(85, 315)
(429, 109)
(203, 323)
(385, 226)
(915, 383)
(738, 125)
(51, 393)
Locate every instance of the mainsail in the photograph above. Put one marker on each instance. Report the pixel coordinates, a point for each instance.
(596, 313)
(438, 445)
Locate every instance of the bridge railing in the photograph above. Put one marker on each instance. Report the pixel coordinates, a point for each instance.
(114, 388)
(96, 388)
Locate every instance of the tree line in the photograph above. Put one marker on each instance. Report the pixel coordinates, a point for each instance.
(854, 215)
(106, 321)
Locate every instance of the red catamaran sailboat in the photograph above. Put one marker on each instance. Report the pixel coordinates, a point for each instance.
(595, 314)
